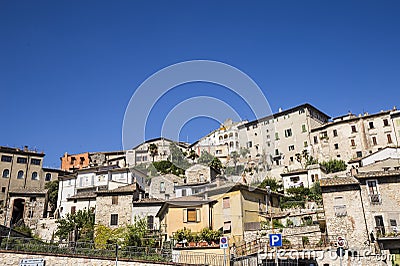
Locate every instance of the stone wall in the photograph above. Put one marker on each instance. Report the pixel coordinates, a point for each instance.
(45, 228)
(8, 258)
(105, 208)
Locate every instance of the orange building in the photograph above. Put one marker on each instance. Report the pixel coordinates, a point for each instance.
(71, 162)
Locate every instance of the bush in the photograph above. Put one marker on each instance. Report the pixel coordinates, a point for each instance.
(333, 166)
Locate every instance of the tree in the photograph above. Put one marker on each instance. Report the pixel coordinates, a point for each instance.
(167, 167)
(272, 183)
(192, 155)
(153, 149)
(136, 234)
(235, 158)
(205, 158)
(333, 166)
(52, 192)
(243, 152)
(178, 157)
(81, 222)
(216, 164)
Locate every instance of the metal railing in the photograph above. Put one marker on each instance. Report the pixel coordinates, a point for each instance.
(375, 199)
(111, 251)
(387, 231)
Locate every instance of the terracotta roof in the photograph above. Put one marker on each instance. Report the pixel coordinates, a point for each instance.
(124, 189)
(28, 191)
(83, 195)
(295, 172)
(378, 174)
(338, 181)
(149, 200)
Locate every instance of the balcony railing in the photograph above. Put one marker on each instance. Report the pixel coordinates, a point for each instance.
(387, 231)
(375, 199)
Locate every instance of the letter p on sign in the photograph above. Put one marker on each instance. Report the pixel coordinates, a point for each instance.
(275, 240)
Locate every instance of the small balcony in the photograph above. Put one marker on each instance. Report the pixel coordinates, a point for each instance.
(387, 232)
(375, 199)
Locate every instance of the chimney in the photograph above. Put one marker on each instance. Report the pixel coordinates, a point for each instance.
(205, 196)
(25, 148)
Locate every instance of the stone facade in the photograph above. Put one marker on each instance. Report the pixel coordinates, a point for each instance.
(163, 186)
(12, 258)
(114, 207)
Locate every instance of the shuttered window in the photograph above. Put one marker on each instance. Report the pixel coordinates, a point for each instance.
(191, 215)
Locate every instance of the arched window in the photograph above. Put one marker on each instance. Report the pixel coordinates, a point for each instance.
(20, 174)
(6, 173)
(48, 177)
(35, 176)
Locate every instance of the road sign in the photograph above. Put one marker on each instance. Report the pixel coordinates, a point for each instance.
(32, 262)
(275, 240)
(223, 242)
(341, 242)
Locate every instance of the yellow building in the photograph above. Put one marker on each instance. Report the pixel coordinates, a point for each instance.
(231, 209)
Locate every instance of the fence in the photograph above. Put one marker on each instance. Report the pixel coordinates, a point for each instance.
(111, 251)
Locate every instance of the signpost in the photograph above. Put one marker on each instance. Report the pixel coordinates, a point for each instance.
(275, 240)
(223, 244)
(341, 242)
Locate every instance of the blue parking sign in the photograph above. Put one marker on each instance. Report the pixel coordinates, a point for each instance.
(275, 240)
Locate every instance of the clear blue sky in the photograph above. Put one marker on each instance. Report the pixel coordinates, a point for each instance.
(69, 68)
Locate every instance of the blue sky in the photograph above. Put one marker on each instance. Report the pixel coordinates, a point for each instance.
(69, 68)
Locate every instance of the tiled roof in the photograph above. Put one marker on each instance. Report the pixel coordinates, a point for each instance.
(338, 181)
(294, 172)
(149, 201)
(83, 195)
(124, 189)
(378, 174)
(28, 191)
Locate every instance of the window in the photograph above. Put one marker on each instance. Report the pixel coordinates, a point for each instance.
(114, 219)
(339, 207)
(301, 111)
(22, 160)
(371, 125)
(288, 132)
(374, 142)
(226, 203)
(276, 136)
(291, 148)
(373, 192)
(162, 187)
(393, 222)
(227, 227)
(385, 122)
(335, 133)
(303, 128)
(35, 161)
(183, 192)
(315, 139)
(73, 209)
(389, 138)
(249, 144)
(276, 152)
(359, 154)
(3, 189)
(353, 129)
(5, 158)
(218, 152)
(20, 174)
(114, 200)
(35, 176)
(336, 145)
(48, 177)
(353, 143)
(295, 179)
(192, 215)
(150, 222)
(6, 173)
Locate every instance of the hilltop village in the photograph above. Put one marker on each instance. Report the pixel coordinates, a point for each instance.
(299, 172)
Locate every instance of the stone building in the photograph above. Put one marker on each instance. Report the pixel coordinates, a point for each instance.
(365, 208)
(23, 182)
(280, 137)
(302, 177)
(141, 153)
(78, 190)
(72, 162)
(221, 142)
(348, 137)
(164, 186)
(114, 207)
